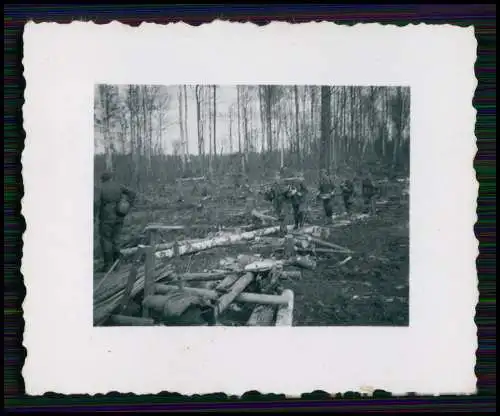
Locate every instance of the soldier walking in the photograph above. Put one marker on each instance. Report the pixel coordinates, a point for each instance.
(326, 190)
(113, 205)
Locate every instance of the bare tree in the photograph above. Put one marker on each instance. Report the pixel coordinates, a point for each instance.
(297, 133)
(186, 135)
(215, 122)
(182, 146)
(326, 120)
(201, 143)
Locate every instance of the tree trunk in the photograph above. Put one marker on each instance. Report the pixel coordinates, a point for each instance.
(186, 136)
(240, 150)
(326, 121)
(262, 120)
(181, 128)
(297, 136)
(269, 118)
(215, 125)
(231, 131)
(200, 127)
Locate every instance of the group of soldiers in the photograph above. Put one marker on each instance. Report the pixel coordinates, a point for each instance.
(114, 202)
(294, 191)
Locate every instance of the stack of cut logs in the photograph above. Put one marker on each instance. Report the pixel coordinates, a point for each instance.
(169, 298)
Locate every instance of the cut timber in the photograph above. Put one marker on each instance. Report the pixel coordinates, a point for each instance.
(346, 260)
(239, 286)
(172, 305)
(291, 274)
(318, 250)
(159, 227)
(244, 297)
(203, 277)
(263, 217)
(195, 179)
(109, 297)
(227, 282)
(262, 315)
(224, 239)
(284, 316)
(111, 270)
(132, 277)
(149, 278)
(123, 320)
(327, 244)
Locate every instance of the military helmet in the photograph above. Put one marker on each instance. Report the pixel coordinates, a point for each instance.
(106, 176)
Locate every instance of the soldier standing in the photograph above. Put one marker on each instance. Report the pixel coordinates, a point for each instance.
(275, 195)
(347, 188)
(297, 195)
(113, 205)
(368, 190)
(326, 192)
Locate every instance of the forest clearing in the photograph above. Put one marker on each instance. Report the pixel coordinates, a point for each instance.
(201, 235)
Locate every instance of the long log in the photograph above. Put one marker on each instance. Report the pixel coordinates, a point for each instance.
(262, 315)
(244, 297)
(327, 244)
(284, 316)
(239, 286)
(225, 238)
(149, 277)
(106, 302)
(203, 276)
(123, 320)
(263, 217)
(222, 240)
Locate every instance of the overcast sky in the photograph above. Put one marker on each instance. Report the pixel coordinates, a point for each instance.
(225, 98)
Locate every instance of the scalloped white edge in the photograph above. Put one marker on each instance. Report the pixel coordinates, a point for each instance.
(65, 354)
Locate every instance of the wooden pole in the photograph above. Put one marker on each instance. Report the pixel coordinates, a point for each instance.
(245, 297)
(284, 316)
(239, 286)
(113, 267)
(149, 277)
(262, 315)
(131, 280)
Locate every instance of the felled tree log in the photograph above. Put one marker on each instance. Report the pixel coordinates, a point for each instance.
(109, 297)
(123, 320)
(263, 217)
(262, 315)
(327, 244)
(244, 297)
(284, 316)
(239, 286)
(202, 276)
(226, 239)
(172, 305)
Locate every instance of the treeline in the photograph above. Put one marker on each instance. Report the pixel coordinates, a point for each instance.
(267, 126)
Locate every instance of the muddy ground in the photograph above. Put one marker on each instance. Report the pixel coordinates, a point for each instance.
(371, 289)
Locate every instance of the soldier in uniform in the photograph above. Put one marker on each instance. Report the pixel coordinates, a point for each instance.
(297, 195)
(347, 188)
(368, 191)
(326, 193)
(275, 195)
(111, 216)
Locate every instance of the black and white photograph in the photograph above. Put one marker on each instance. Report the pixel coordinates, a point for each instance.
(230, 208)
(251, 205)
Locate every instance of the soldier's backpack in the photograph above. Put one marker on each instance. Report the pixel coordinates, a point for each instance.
(123, 206)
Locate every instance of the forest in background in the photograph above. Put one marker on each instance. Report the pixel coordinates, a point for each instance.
(144, 132)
